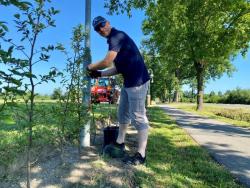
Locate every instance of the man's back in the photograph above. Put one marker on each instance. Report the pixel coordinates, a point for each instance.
(128, 61)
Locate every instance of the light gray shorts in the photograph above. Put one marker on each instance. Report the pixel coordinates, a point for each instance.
(132, 106)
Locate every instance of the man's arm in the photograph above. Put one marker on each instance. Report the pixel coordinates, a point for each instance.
(106, 62)
(109, 72)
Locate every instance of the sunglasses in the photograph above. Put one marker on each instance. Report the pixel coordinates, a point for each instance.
(98, 27)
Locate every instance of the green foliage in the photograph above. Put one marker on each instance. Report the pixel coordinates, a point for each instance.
(40, 97)
(23, 5)
(71, 114)
(30, 23)
(237, 96)
(57, 93)
(125, 6)
(213, 98)
(8, 82)
(188, 96)
(195, 39)
(160, 85)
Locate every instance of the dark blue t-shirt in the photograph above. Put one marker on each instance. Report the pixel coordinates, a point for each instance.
(128, 61)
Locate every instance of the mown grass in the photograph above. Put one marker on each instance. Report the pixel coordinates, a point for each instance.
(237, 116)
(14, 132)
(175, 160)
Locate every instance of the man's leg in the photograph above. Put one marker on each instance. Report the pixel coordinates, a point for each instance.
(117, 149)
(123, 116)
(122, 133)
(142, 141)
(137, 110)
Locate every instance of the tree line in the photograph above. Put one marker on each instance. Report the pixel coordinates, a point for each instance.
(236, 96)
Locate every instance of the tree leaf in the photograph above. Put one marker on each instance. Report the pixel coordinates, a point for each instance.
(17, 16)
(7, 119)
(4, 26)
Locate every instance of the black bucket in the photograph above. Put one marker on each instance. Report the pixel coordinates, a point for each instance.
(110, 135)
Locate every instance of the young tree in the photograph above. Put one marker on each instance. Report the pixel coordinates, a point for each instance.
(9, 85)
(73, 114)
(31, 22)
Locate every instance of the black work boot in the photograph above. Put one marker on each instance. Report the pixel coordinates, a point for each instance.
(137, 159)
(114, 150)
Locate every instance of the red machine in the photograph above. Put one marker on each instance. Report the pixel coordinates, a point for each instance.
(104, 90)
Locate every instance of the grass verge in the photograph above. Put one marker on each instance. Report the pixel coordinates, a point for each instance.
(175, 160)
(212, 111)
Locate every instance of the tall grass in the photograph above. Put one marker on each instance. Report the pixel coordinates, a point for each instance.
(236, 116)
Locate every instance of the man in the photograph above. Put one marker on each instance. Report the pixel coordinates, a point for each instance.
(128, 62)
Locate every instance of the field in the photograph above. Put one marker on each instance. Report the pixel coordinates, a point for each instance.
(237, 115)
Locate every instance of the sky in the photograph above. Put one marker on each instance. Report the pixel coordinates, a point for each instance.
(72, 13)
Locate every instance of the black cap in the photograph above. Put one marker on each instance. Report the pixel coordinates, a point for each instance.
(98, 20)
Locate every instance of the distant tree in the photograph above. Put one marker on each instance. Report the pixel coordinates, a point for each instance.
(212, 93)
(237, 96)
(56, 94)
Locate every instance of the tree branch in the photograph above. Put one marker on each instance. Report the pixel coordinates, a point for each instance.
(26, 55)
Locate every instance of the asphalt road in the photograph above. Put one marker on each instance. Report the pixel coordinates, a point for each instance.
(228, 145)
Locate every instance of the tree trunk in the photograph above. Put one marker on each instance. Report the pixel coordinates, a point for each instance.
(29, 156)
(176, 96)
(177, 86)
(169, 96)
(28, 167)
(192, 94)
(200, 84)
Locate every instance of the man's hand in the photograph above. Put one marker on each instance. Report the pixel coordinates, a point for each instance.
(93, 73)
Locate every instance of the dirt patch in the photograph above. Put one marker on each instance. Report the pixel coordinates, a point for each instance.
(85, 169)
